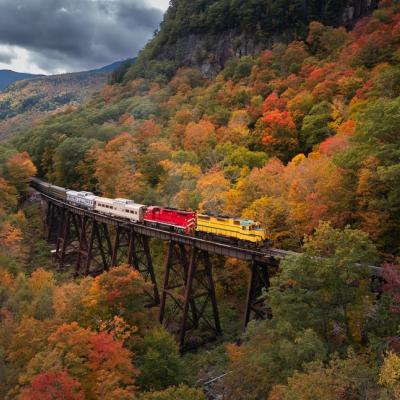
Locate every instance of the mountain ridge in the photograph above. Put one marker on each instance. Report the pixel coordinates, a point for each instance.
(25, 101)
(8, 76)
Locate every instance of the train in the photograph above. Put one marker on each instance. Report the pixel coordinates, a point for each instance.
(237, 231)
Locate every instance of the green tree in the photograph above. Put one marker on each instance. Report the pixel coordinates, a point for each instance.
(352, 378)
(326, 286)
(315, 125)
(66, 159)
(181, 392)
(159, 362)
(319, 303)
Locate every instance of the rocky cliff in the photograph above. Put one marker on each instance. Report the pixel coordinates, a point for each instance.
(205, 34)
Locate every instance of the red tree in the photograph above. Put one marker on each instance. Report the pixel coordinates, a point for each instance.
(53, 385)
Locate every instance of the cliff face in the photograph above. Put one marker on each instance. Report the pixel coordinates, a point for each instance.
(356, 9)
(210, 52)
(201, 37)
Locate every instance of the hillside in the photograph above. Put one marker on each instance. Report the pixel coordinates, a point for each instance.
(301, 137)
(28, 100)
(207, 33)
(8, 77)
(305, 98)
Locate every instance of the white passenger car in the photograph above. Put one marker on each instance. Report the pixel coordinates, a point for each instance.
(121, 208)
(81, 199)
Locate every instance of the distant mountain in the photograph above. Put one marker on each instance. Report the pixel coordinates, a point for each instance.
(7, 77)
(112, 67)
(25, 101)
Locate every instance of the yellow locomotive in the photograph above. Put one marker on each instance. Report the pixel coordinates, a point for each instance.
(240, 230)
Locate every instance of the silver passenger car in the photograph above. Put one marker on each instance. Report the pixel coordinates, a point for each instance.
(81, 199)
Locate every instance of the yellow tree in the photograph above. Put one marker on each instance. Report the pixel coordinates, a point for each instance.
(115, 168)
(20, 170)
(389, 375)
(212, 188)
(310, 196)
(198, 135)
(272, 213)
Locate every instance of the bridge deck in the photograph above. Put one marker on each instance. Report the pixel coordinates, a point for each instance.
(269, 256)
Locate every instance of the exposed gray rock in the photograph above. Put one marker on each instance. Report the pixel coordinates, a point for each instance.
(209, 52)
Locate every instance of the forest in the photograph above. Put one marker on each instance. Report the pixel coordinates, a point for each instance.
(27, 101)
(302, 138)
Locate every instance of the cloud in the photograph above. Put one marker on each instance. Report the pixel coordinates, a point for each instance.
(6, 55)
(76, 34)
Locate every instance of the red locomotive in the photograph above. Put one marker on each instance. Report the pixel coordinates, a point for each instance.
(178, 220)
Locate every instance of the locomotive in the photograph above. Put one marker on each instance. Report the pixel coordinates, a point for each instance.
(238, 231)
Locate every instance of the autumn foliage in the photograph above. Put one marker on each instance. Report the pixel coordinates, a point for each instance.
(302, 137)
(53, 386)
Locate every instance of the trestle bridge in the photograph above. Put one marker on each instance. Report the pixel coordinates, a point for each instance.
(93, 242)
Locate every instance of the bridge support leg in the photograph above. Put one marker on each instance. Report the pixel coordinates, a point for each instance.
(48, 219)
(191, 288)
(53, 221)
(139, 257)
(133, 249)
(259, 280)
(94, 248)
(68, 234)
(62, 237)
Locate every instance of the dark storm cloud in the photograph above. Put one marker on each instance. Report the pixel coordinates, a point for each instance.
(77, 34)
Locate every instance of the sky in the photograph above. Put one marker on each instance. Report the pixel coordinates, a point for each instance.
(56, 36)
